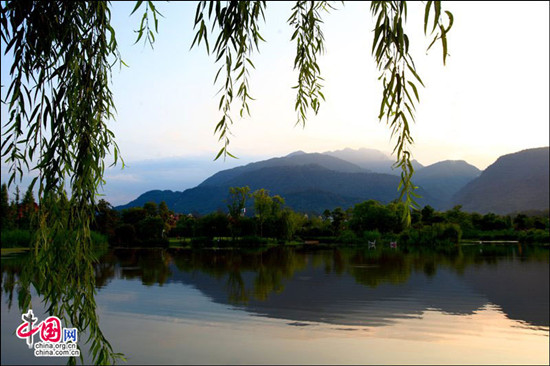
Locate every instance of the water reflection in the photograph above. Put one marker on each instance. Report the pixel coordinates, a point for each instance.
(349, 289)
(328, 286)
(61, 281)
(325, 285)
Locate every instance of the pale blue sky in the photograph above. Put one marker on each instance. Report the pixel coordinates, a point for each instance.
(491, 98)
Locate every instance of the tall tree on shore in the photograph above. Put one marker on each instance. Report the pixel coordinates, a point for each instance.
(5, 219)
(237, 201)
(28, 208)
(262, 206)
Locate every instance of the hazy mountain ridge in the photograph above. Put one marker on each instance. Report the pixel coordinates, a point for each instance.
(370, 159)
(515, 182)
(308, 188)
(443, 179)
(294, 159)
(312, 182)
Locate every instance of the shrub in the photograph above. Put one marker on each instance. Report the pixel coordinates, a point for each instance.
(347, 237)
(432, 236)
(16, 238)
(535, 236)
(99, 239)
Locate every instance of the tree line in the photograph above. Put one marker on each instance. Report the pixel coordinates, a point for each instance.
(268, 219)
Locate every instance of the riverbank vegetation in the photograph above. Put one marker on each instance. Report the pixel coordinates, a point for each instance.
(18, 222)
(269, 221)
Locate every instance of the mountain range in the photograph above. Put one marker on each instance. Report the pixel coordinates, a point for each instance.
(313, 182)
(515, 182)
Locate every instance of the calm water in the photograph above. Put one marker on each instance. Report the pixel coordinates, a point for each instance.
(278, 306)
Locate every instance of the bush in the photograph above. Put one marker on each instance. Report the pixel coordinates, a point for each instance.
(100, 243)
(432, 236)
(507, 234)
(449, 232)
(16, 238)
(371, 235)
(347, 237)
(98, 239)
(534, 237)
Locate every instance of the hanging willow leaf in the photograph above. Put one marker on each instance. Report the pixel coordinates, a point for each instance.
(390, 50)
(235, 25)
(306, 20)
(62, 59)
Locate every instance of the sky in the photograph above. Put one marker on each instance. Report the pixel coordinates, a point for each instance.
(490, 99)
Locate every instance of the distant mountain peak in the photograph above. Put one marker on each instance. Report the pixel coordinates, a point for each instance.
(363, 153)
(370, 159)
(514, 182)
(299, 152)
(312, 182)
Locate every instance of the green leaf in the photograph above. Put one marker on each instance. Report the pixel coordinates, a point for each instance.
(427, 15)
(451, 20)
(411, 69)
(414, 90)
(437, 8)
(138, 4)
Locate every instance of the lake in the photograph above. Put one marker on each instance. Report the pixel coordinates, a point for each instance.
(473, 305)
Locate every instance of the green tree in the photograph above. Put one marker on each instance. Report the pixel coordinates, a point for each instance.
(150, 230)
(520, 222)
(184, 226)
(213, 225)
(237, 201)
(262, 206)
(164, 211)
(168, 217)
(6, 220)
(277, 203)
(17, 199)
(292, 222)
(492, 221)
(236, 207)
(27, 209)
(456, 216)
(106, 218)
(338, 217)
(16, 208)
(372, 215)
(134, 215)
(313, 226)
(427, 214)
(151, 208)
(125, 234)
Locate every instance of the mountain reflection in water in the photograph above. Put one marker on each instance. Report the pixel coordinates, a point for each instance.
(288, 305)
(349, 287)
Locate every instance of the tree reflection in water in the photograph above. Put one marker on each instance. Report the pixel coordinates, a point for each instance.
(65, 281)
(244, 275)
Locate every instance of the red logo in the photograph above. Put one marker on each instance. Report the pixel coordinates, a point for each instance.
(50, 329)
